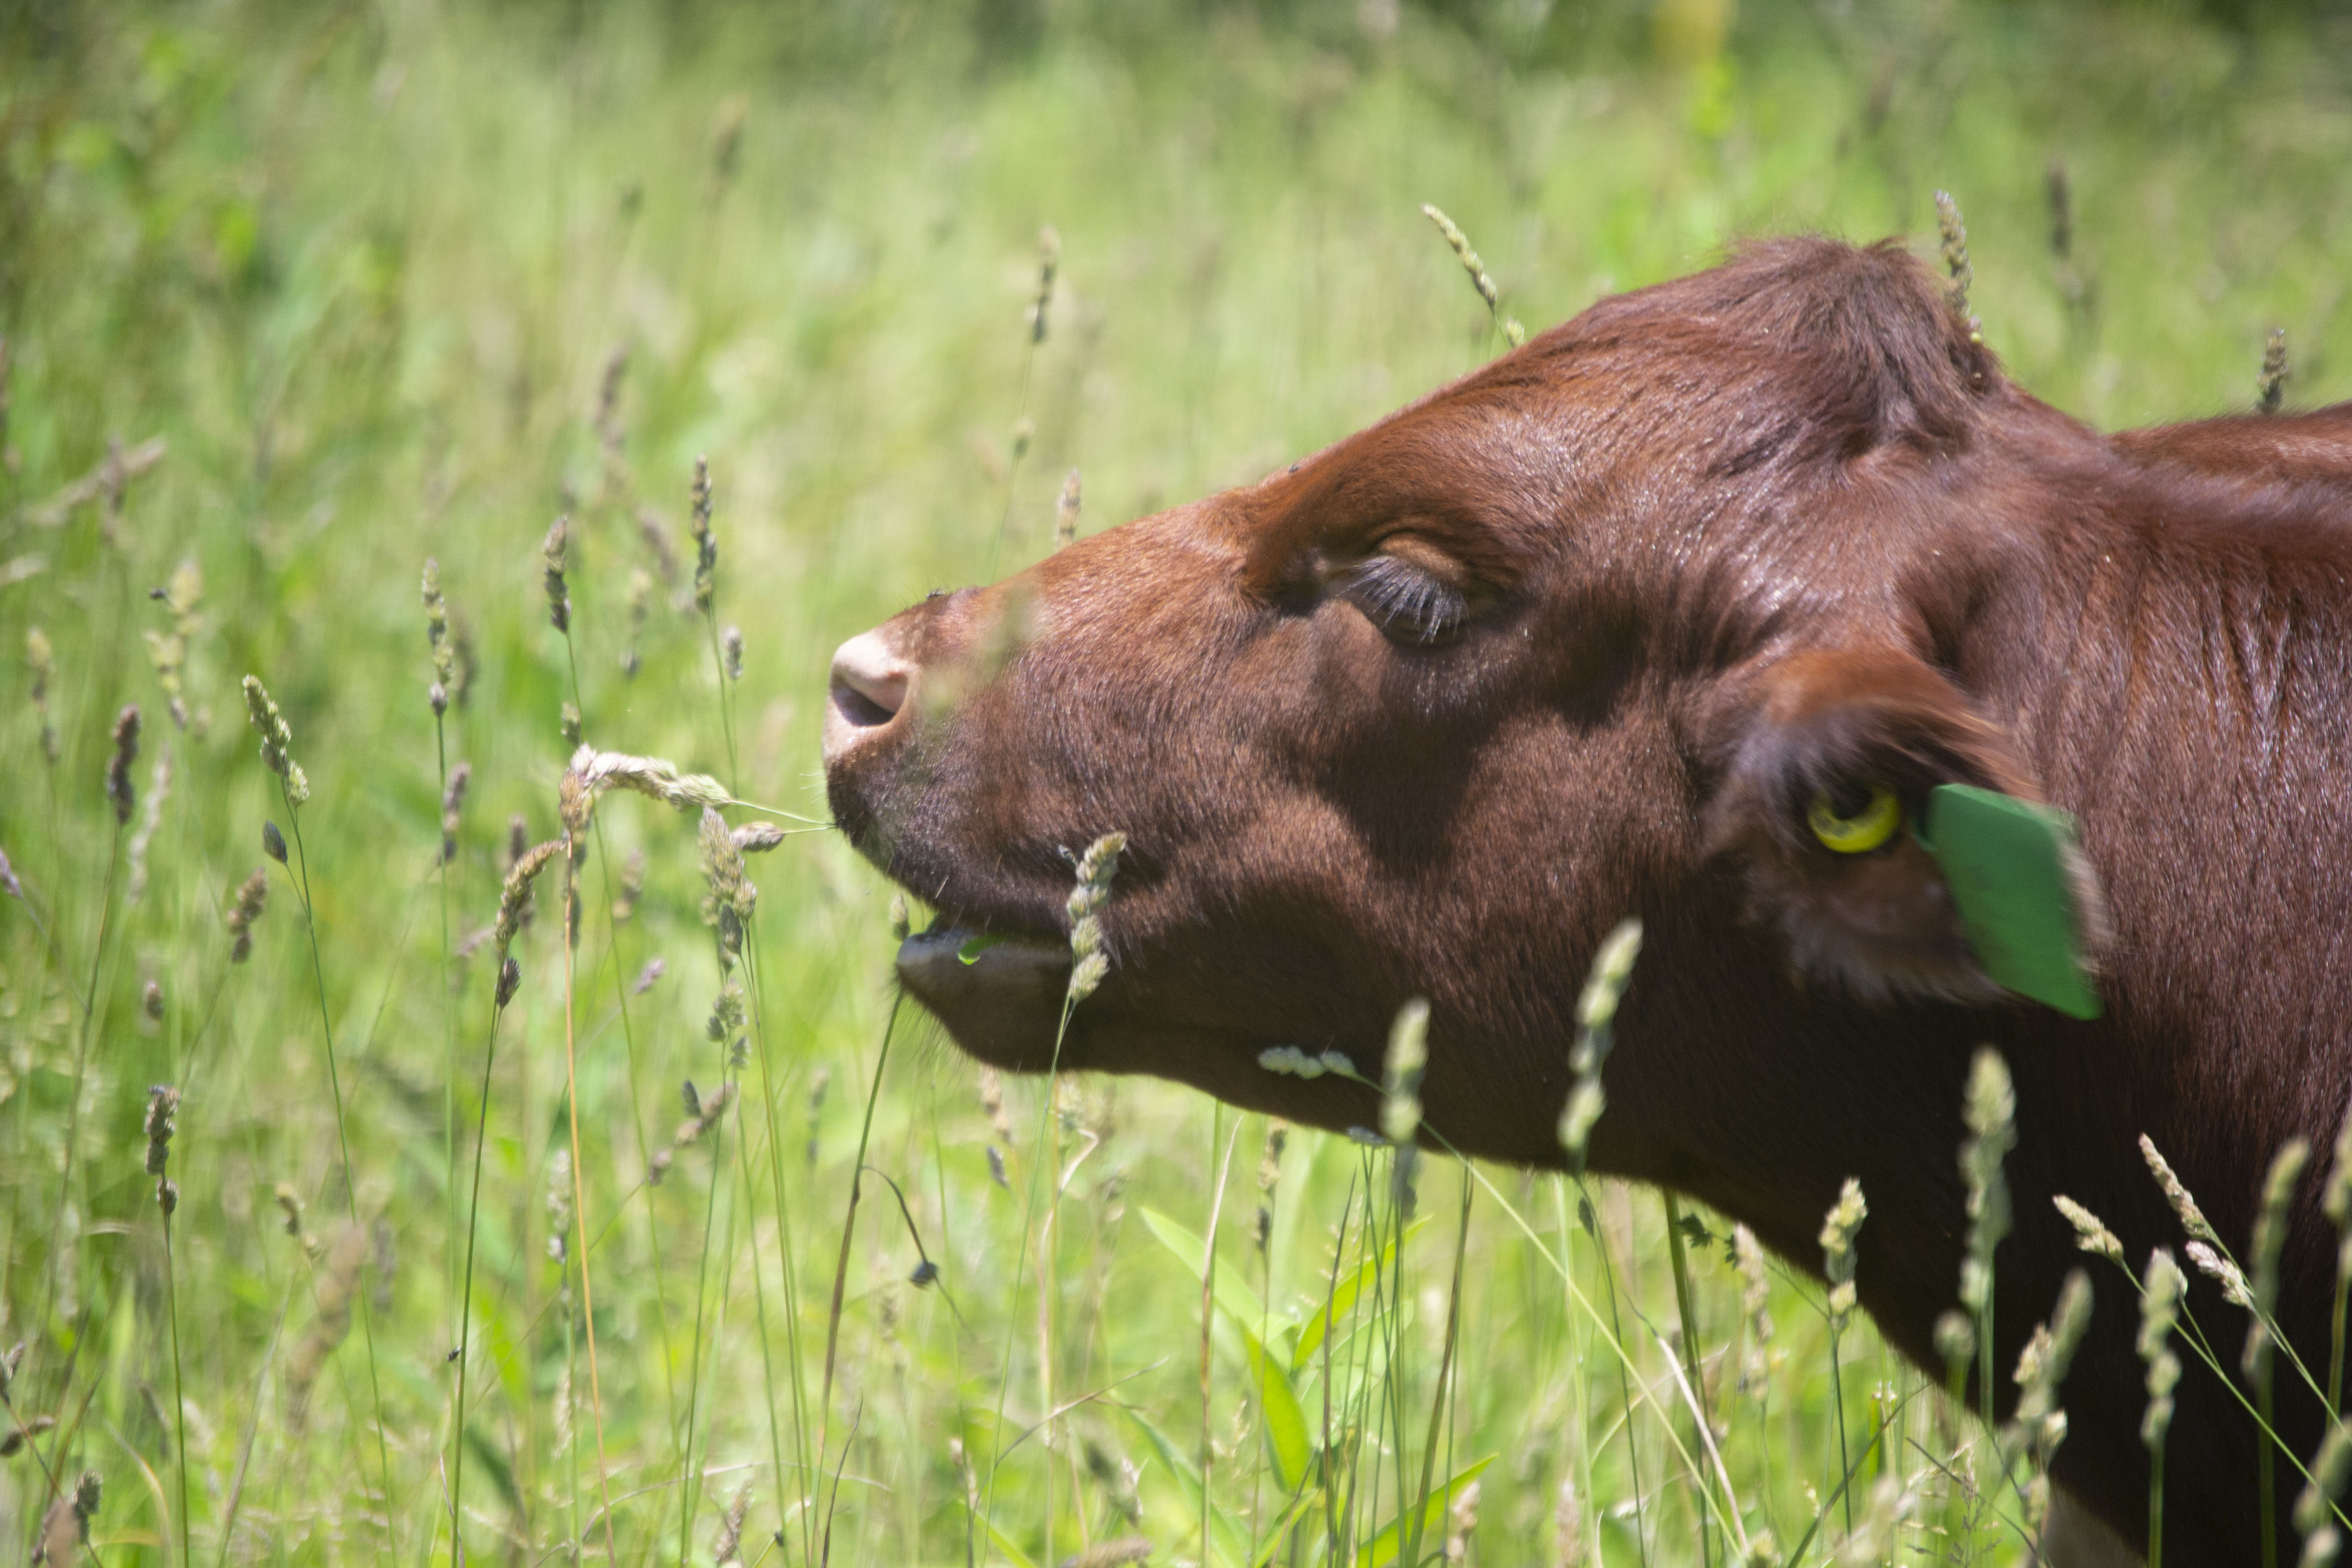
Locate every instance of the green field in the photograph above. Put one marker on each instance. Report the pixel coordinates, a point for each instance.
(295, 300)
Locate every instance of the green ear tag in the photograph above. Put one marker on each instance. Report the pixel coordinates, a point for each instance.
(2004, 859)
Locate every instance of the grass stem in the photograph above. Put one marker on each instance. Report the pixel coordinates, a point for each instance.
(579, 1212)
(343, 1142)
(463, 1353)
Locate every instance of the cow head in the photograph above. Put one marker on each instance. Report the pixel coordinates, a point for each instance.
(1663, 614)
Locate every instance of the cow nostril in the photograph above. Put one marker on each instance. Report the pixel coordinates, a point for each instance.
(859, 708)
(870, 682)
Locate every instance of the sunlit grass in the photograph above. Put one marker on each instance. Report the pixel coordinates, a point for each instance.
(366, 280)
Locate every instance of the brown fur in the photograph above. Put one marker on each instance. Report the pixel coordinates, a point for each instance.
(1713, 545)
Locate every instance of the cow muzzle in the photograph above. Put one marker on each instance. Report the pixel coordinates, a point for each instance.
(1001, 1000)
(867, 694)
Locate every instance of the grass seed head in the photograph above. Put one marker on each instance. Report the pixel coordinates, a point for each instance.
(2271, 386)
(559, 1202)
(2091, 1233)
(1612, 971)
(2222, 1272)
(1956, 1337)
(655, 533)
(1953, 236)
(2192, 1218)
(758, 837)
(437, 636)
(9, 883)
(1461, 1523)
(252, 898)
(277, 740)
(730, 643)
(163, 1120)
(727, 1016)
(2336, 1197)
(1408, 1059)
(1839, 1228)
(2271, 1221)
(1066, 512)
(514, 898)
(23, 1433)
(461, 660)
(1460, 243)
(168, 652)
(2049, 1351)
(2313, 1510)
(727, 907)
(1049, 263)
(554, 553)
(706, 542)
(453, 806)
(1096, 868)
(1596, 1017)
(641, 604)
(41, 660)
(633, 885)
(2060, 192)
(159, 790)
(1755, 1291)
(509, 980)
(65, 1527)
(704, 1112)
(1513, 333)
(607, 422)
(1568, 1528)
(727, 1548)
(119, 787)
(646, 977)
(649, 776)
(1990, 1109)
(290, 1204)
(573, 806)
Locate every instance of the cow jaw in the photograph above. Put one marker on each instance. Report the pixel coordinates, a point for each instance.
(1001, 1002)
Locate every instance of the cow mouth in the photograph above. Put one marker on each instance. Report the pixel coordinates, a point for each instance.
(1000, 996)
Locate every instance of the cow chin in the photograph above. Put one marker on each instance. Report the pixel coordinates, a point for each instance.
(1002, 1003)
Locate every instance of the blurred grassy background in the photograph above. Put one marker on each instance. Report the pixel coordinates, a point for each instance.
(366, 271)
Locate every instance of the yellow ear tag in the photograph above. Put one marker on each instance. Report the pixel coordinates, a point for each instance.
(1866, 830)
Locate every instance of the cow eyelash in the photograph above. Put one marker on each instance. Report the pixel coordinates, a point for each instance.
(1405, 601)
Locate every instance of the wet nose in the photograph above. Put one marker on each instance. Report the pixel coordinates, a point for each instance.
(869, 687)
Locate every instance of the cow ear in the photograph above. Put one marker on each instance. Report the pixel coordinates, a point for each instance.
(1897, 839)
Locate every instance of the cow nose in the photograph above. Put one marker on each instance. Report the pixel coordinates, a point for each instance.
(869, 687)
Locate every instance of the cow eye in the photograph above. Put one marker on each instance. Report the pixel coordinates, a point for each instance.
(1407, 602)
(1854, 818)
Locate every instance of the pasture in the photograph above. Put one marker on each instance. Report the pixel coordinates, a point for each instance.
(681, 1240)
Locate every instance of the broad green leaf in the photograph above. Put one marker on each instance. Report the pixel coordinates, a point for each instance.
(1300, 1506)
(1014, 1554)
(1233, 1296)
(1343, 1300)
(1285, 1425)
(1225, 1536)
(1381, 1549)
(501, 1473)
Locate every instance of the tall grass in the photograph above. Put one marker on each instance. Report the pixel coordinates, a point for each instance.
(305, 301)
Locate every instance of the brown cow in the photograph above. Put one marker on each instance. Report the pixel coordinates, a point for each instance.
(1583, 635)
